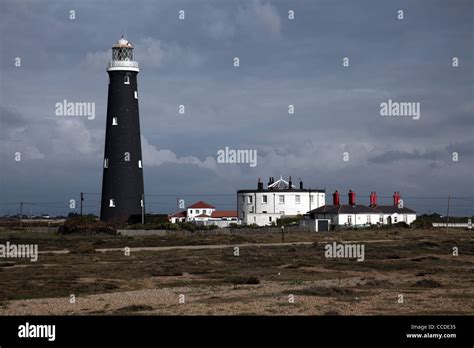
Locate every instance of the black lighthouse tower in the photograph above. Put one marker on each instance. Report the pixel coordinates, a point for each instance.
(122, 183)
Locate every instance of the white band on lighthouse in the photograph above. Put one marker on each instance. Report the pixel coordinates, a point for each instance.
(127, 65)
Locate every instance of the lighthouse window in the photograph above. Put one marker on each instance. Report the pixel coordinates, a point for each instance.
(112, 203)
(140, 164)
(281, 199)
(297, 199)
(136, 95)
(264, 199)
(106, 163)
(114, 121)
(126, 80)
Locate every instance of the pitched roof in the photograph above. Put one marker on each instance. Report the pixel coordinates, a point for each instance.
(183, 213)
(202, 215)
(224, 213)
(202, 204)
(344, 209)
(391, 209)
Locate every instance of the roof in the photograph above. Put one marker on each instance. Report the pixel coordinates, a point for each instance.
(201, 204)
(281, 184)
(391, 209)
(183, 213)
(344, 209)
(224, 213)
(202, 215)
(282, 190)
(361, 209)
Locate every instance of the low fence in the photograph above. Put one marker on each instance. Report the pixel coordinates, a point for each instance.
(453, 224)
(218, 231)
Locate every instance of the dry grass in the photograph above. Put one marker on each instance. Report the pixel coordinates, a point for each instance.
(418, 264)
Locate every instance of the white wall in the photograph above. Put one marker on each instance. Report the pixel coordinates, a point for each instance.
(356, 219)
(193, 212)
(273, 206)
(396, 218)
(261, 219)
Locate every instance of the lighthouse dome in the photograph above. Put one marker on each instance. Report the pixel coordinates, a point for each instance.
(123, 43)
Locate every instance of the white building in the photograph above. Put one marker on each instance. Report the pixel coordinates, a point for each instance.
(281, 198)
(203, 213)
(348, 215)
(199, 211)
(392, 214)
(357, 215)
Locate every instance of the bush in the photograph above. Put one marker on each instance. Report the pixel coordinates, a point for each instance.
(428, 283)
(289, 221)
(251, 280)
(85, 225)
(82, 248)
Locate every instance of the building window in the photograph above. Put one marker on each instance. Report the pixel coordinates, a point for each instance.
(126, 80)
(395, 219)
(270, 218)
(249, 199)
(204, 211)
(297, 199)
(349, 219)
(281, 199)
(114, 121)
(381, 219)
(136, 95)
(405, 218)
(264, 212)
(368, 219)
(197, 211)
(111, 203)
(243, 215)
(264, 199)
(140, 164)
(106, 163)
(254, 219)
(311, 199)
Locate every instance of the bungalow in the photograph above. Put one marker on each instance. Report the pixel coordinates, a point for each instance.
(353, 214)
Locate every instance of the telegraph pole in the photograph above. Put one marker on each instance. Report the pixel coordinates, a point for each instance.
(447, 214)
(21, 215)
(82, 199)
(143, 209)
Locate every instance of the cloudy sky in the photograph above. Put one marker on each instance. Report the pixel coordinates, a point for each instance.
(282, 62)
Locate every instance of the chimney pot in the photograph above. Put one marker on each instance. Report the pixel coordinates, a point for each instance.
(351, 197)
(335, 198)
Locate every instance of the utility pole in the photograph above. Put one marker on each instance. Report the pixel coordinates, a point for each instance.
(143, 209)
(21, 215)
(447, 214)
(82, 199)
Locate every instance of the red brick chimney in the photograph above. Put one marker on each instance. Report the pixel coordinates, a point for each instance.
(352, 198)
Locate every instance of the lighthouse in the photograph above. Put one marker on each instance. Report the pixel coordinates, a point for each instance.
(122, 180)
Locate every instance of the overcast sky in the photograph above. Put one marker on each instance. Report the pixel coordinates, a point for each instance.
(282, 62)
